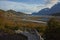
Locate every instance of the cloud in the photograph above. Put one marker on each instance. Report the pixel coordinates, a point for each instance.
(50, 3)
(19, 6)
(26, 8)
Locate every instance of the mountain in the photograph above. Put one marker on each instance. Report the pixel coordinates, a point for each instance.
(11, 15)
(47, 11)
(55, 8)
(42, 12)
(16, 13)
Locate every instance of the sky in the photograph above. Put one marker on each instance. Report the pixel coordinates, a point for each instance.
(27, 6)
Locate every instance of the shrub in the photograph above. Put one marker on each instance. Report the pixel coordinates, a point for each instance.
(53, 30)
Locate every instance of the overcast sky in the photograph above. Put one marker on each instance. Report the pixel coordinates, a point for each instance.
(27, 6)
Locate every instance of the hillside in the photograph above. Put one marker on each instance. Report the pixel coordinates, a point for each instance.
(9, 22)
(47, 11)
(42, 12)
(16, 13)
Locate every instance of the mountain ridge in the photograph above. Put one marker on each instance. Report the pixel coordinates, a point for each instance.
(46, 11)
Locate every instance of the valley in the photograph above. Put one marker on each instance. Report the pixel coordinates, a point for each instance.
(29, 19)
